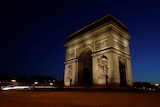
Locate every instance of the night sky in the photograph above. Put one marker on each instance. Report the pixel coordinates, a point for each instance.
(33, 33)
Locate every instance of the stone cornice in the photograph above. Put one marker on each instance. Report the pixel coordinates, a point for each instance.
(107, 18)
(99, 30)
(70, 61)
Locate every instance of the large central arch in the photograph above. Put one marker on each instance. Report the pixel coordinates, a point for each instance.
(85, 67)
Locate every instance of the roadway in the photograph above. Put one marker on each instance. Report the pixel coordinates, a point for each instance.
(78, 99)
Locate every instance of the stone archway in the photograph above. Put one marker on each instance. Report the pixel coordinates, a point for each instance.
(85, 67)
(98, 54)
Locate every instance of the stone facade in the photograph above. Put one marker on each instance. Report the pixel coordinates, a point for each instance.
(99, 54)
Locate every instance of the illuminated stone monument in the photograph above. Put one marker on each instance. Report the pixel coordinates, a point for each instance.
(99, 54)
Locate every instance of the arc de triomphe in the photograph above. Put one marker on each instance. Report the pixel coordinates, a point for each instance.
(99, 54)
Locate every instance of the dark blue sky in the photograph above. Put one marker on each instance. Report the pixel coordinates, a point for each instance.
(33, 33)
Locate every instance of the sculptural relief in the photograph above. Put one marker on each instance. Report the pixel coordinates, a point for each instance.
(101, 44)
(69, 73)
(71, 54)
(120, 46)
(102, 66)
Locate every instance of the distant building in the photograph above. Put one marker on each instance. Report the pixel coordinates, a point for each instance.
(99, 54)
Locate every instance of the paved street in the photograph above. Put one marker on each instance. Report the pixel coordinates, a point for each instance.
(78, 99)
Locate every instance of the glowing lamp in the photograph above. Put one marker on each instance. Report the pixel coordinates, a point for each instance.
(157, 85)
(13, 80)
(36, 82)
(50, 83)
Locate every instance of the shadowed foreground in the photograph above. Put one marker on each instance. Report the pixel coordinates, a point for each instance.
(78, 99)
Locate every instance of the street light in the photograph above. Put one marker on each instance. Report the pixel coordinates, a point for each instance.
(50, 83)
(156, 84)
(13, 80)
(35, 82)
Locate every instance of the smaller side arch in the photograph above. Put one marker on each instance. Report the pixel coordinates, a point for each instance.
(122, 72)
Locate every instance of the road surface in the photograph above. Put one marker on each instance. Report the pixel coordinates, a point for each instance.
(78, 99)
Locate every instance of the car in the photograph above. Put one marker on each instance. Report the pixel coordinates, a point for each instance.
(15, 87)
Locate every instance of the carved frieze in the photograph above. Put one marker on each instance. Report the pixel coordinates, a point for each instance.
(121, 46)
(101, 44)
(71, 54)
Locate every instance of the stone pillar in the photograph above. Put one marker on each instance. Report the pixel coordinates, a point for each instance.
(129, 73)
(116, 76)
(70, 76)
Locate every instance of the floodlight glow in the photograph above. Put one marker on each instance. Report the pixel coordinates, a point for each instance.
(50, 83)
(35, 82)
(13, 80)
(157, 85)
